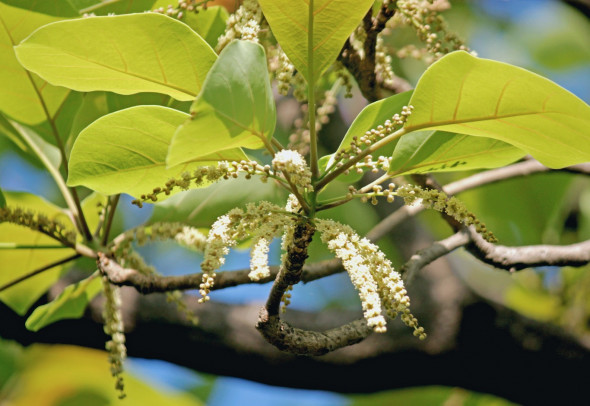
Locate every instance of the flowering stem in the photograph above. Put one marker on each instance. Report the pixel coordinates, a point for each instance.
(328, 177)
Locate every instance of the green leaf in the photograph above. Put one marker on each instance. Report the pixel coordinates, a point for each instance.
(332, 21)
(104, 7)
(125, 54)
(2, 199)
(70, 304)
(463, 94)
(235, 108)
(437, 151)
(209, 23)
(19, 262)
(24, 97)
(58, 8)
(125, 151)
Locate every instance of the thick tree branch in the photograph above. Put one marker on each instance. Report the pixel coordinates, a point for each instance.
(488, 339)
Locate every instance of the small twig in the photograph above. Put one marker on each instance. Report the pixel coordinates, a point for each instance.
(112, 207)
(438, 249)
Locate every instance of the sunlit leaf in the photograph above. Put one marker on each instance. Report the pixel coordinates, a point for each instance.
(104, 7)
(438, 151)
(125, 152)
(15, 263)
(70, 304)
(25, 96)
(468, 95)
(331, 22)
(236, 106)
(126, 54)
(58, 8)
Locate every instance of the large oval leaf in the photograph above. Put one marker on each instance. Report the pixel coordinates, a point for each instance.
(15, 263)
(438, 151)
(125, 54)
(125, 152)
(331, 22)
(468, 95)
(24, 97)
(235, 109)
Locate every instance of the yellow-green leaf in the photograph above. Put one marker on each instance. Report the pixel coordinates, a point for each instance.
(124, 54)
(312, 32)
(70, 304)
(15, 263)
(438, 151)
(236, 107)
(25, 97)
(467, 95)
(125, 152)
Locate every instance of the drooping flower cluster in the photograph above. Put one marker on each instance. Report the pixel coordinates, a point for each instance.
(114, 328)
(438, 200)
(38, 222)
(372, 274)
(243, 24)
(263, 221)
(293, 165)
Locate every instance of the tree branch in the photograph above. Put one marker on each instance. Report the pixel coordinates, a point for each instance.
(517, 258)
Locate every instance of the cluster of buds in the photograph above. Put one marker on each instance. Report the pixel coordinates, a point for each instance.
(370, 137)
(207, 174)
(182, 8)
(243, 24)
(344, 77)
(114, 328)
(383, 68)
(284, 73)
(372, 274)
(293, 166)
(438, 200)
(376, 191)
(38, 222)
(431, 28)
(357, 40)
